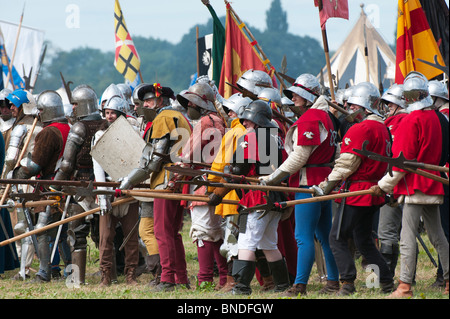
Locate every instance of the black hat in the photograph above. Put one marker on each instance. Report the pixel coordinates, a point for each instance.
(157, 91)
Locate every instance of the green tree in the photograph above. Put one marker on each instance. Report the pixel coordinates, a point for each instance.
(276, 18)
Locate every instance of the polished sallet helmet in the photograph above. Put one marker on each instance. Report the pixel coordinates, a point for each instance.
(86, 99)
(415, 91)
(366, 94)
(50, 106)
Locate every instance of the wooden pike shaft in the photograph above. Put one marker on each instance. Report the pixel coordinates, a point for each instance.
(37, 203)
(328, 197)
(67, 220)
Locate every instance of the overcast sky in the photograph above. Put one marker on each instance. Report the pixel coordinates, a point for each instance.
(70, 24)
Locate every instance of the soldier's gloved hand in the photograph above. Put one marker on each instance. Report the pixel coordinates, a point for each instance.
(214, 199)
(317, 191)
(377, 191)
(275, 178)
(105, 205)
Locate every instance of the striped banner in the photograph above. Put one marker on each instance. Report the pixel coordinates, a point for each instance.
(415, 40)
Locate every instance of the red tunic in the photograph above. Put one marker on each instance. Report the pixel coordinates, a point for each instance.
(308, 130)
(369, 171)
(393, 122)
(419, 137)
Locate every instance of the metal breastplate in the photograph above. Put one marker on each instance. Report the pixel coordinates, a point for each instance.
(84, 164)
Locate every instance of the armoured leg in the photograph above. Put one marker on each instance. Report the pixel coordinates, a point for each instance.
(21, 226)
(76, 235)
(229, 248)
(44, 257)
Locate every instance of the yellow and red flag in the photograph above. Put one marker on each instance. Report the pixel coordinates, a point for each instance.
(415, 40)
(240, 55)
(126, 59)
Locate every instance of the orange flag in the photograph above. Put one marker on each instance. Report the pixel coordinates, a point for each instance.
(415, 40)
(239, 56)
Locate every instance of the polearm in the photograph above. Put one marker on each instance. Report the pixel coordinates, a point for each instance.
(61, 182)
(198, 198)
(327, 54)
(282, 205)
(67, 220)
(263, 188)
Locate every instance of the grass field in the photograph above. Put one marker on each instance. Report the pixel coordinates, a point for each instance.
(12, 289)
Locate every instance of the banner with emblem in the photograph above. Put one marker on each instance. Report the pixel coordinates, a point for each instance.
(240, 55)
(126, 59)
(415, 40)
(205, 61)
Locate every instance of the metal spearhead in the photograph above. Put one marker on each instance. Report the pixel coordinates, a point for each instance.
(266, 208)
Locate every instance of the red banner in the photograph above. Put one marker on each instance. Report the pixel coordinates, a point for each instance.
(332, 9)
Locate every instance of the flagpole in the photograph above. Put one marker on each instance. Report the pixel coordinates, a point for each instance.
(257, 44)
(196, 42)
(327, 55)
(14, 50)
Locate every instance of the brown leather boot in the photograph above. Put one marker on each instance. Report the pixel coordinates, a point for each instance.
(446, 287)
(347, 288)
(228, 285)
(295, 290)
(330, 288)
(268, 284)
(130, 276)
(106, 278)
(403, 291)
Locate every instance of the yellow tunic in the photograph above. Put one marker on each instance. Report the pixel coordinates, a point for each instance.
(177, 126)
(224, 158)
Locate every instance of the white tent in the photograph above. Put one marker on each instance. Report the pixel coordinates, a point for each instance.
(351, 65)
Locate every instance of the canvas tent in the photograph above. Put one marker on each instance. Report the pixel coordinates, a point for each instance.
(349, 65)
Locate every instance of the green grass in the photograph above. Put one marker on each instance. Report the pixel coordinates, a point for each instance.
(12, 289)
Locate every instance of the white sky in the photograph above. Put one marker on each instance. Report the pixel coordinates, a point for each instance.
(70, 24)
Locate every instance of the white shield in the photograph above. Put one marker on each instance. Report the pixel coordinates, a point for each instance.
(119, 150)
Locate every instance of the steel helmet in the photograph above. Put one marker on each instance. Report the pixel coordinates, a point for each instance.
(270, 95)
(116, 103)
(307, 86)
(126, 92)
(236, 103)
(50, 106)
(339, 97)
(394, 95)
(415, 91)
(260, 113)
(4, 94)
(200, 94)
(254, 81)
(23, 99)
(438, 89)
(109, 92)
(86, 98)
(347, 93)
(366, 94)
(135, 97)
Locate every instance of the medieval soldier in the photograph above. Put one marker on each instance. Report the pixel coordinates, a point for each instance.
(421, 136)
(6, 118)
(126, 214)
(77, 164)
(311, 145)
(258, 151)
(24, 111)
(390, 219)
(49, 146)
(167, 129)
(439, 94)
(355, 215)
(202, 147)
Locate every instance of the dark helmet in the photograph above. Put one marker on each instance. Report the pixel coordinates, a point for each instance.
(259, 112)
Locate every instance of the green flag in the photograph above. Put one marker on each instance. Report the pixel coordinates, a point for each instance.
(218, 45)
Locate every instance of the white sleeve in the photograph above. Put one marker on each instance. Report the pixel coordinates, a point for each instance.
(345, 165)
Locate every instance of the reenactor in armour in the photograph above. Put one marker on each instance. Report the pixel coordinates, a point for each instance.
(167, 129)
(41, 163)
(77, 164)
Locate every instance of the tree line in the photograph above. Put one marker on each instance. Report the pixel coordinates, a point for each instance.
(174, 64)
